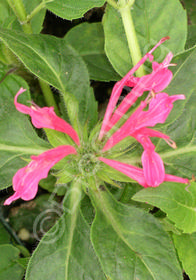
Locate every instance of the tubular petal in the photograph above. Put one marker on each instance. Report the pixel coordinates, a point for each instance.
(126, 129)
(172, 178)
(46, 118)
(159, 108)
(154, 171)
(26, 179)
(133, 172)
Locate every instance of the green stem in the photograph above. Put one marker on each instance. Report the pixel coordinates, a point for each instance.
(48, 95)
(37, 9)
(9, 229)
(134, 48)
(20, 12)
(113, 4)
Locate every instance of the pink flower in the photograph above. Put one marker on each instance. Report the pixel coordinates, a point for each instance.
(155, 109)
(26, 179)
(46, 118)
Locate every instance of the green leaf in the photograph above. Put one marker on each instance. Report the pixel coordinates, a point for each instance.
(183, 81)
(55, 62)
(181, 161)
(65, 252)
(89, 109)
(17, 137)
(130, 243)
(4, 235)
(178, 201)
(191, 38)
(92, 52)
(72, 9)
(186, 247)
(190, 6)
(6, 15)
(153, 20)
(9, 268)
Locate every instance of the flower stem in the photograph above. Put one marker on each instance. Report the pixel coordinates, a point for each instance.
(20, 12)
(134, 48)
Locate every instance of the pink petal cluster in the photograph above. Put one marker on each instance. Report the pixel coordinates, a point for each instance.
(155, 109)
(26, 180)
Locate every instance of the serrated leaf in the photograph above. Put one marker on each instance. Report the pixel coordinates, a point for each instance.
(153, 20)
(65, 252)
(17, 136)
(93, 53)
(9, 268)
(178, 201)
(130, 243)
(72, 9)
(186, 247)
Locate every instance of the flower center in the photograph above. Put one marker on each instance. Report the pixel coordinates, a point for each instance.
(88, 164)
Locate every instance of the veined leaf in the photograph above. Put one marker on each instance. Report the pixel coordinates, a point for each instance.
(131, 244)
(93, 53)
(178, 201)
(65, 252)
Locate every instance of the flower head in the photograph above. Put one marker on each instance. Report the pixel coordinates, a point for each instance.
(152, 111)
